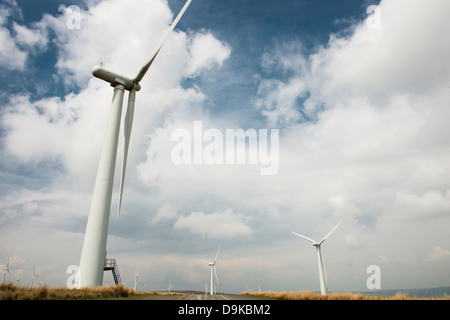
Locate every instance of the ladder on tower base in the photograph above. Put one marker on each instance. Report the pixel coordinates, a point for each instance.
(110, 264)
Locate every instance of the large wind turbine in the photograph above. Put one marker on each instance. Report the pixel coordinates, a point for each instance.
(212, 265)
(322, 271)
(93, 253)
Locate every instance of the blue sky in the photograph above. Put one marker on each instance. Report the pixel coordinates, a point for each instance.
(360, 102)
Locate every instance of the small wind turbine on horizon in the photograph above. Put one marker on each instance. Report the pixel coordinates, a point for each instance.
(212, 265)
(322, 271)
(136, 277)
(170, 285)
(5, 271)
(32, 277)
(248, 289)
(93, 252)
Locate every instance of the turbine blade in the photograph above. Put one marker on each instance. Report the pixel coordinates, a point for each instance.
(323, 266)
(152, 58)
(329, 233)
(306, 238)
(127, 132)
(215, 272)
(217, 254)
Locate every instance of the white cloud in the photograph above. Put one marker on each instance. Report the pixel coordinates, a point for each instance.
(11, 56)
(226, 224)
(438, 254)
(17, 44)
(206, 52)
(402, 58)
(431, 204)
(167, 211)
(35, 38)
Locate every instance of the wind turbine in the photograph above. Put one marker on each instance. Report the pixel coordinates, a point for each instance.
(248, 289)
(5, 270)
(322, 271)
(136, 277)
(206, 288)
(93, 253)
(32, 278)
(212, 265)
(170, 285)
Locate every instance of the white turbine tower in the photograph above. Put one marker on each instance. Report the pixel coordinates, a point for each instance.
(170, 285)
(5, 271)
(212, 265)
(32, 277)
(136, 277)
(93, 253)
(322, 271)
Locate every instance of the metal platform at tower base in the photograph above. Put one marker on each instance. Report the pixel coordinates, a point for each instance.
(110, 264)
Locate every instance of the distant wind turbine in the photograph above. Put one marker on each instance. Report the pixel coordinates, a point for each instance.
(248, 289)
(212, 265)
(93, 253)
(322, 271)
(5, 271)
(136, 277)
(170, 285)
(32, 277)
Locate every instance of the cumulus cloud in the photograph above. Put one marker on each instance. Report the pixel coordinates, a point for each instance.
(166, 212)
(206, 52)
(431, 204)
(226, 224)
(377, 64)
(438, 254)
(36, 38)
(11, 56)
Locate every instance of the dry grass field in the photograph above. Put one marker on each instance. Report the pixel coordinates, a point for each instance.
(9, 291)
(307, 295)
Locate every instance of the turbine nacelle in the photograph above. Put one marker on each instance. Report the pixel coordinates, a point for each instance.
(114, 79)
